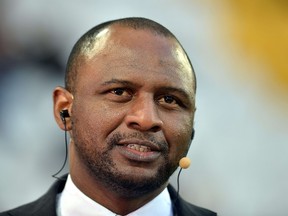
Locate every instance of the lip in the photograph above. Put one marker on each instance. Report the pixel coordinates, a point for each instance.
(151, 145)
(135, 155)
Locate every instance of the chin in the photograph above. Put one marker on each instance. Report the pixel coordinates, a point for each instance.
(137, 186)
(138, 181)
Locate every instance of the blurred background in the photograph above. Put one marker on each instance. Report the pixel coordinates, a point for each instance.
(239, 49)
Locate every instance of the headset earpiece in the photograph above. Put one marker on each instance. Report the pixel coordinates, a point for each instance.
(64, 114)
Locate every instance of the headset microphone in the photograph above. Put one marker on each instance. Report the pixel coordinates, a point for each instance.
(63, 114)
(184, 163)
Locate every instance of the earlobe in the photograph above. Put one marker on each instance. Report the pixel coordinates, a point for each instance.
(192, 134)
(62, 100)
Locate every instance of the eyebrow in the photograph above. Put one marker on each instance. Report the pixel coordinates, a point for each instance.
(174, 89)
(180, 91)
(117, 81)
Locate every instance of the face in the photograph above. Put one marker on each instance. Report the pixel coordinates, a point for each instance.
(133, 110)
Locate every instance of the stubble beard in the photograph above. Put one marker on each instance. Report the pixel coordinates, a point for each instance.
(101, 167)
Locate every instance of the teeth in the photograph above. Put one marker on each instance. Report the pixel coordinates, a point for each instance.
(140, 148)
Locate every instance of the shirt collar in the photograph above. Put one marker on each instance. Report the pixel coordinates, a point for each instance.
(73, 202)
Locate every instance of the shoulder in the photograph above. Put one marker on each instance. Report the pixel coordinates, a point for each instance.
(32, 208)
(45, 205)
(182, 207)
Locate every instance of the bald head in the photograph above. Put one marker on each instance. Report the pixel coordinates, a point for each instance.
(96, 37)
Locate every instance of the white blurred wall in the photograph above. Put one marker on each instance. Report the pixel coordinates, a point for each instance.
(239, 154)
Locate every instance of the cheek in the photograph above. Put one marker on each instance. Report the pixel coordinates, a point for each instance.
(95, 120)
(179, 136)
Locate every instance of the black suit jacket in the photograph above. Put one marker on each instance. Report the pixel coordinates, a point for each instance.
(46, 205)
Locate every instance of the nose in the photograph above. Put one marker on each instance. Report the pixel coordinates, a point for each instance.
(143, 116)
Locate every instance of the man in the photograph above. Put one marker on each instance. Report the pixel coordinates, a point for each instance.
(128, 104)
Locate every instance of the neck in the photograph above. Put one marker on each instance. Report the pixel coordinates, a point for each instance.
(119, 204)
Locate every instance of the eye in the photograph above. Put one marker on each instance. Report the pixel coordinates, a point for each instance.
(118, 91)
(120, 94)
(168, 101)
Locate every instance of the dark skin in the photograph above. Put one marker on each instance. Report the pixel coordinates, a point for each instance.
(132, 113)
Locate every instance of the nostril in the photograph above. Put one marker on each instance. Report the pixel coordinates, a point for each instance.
(155, 128)
(134, 125)
(143, 125)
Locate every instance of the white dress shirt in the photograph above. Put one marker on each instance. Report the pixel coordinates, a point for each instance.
(72, 202)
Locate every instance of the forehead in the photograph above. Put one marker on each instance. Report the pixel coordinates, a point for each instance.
(126, 51)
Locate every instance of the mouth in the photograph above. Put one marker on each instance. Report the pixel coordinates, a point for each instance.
(138, 150)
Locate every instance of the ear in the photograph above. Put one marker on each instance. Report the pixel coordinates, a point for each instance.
(192, 134)
(62, 100)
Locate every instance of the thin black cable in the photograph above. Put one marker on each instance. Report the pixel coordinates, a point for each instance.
(178, 184)
(66, 151)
